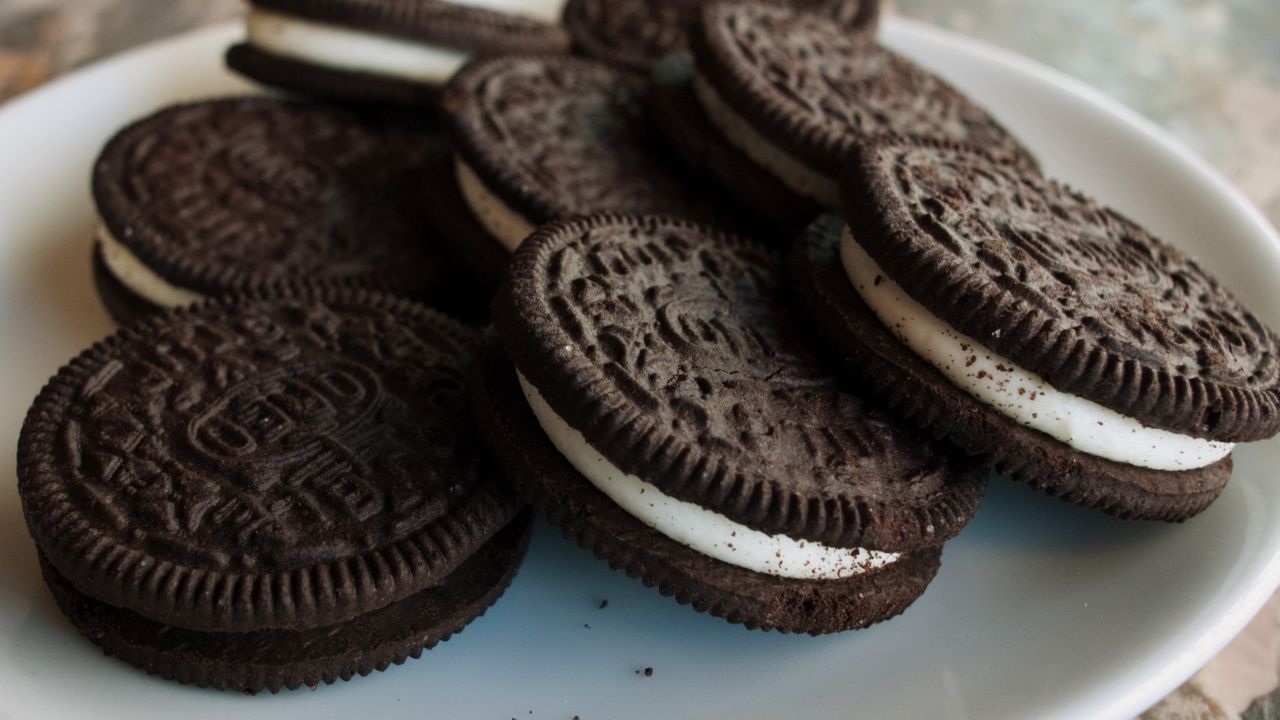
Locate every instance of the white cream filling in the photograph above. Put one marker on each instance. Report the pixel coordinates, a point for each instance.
(794, 173)
(342, 48)
(1015, 392)
(505, 225)
(141, 280)
(544, 10)
(696, 527)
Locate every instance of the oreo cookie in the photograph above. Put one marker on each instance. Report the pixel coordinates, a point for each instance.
(245, 194)
(1039, 329)
(390, 52)
(664, 413)
(269, 492)
(635, 34)
(539, 138)
(794, 91)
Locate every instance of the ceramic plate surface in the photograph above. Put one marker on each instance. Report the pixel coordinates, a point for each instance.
(1040, 610)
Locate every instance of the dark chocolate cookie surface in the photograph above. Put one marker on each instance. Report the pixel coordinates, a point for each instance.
(276, 660)
(921, 395)
(246, 193)
(453, 25)
(267, 462)
(815, 88)
(637, 33)
(1065, 287)
(671, 346)
(557, 136)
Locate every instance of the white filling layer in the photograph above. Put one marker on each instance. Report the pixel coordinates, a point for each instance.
(341, 48)
(795, 174)
(505, 225)
(141, 280)
(544, 10)
(695, 527)
(1015, 392)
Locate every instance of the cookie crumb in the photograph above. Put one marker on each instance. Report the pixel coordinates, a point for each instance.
(604, 603)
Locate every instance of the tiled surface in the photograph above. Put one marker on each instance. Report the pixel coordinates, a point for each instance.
(1206, 70)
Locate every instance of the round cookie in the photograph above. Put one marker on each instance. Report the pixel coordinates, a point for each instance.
(243, 194)
(391, 52)
(1041, 306)
(659, 367)
(539, 138)
(794, 91)
(268, 491)
(635, 34)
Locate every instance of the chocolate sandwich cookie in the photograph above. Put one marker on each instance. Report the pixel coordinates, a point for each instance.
(664, 413)
(270, 491)
(1038, 329)
(539, 138)
(248, 193)
(392, 52)
(637, 33)
(794, 90)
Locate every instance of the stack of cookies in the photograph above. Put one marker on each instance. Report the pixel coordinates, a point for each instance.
(768, 303)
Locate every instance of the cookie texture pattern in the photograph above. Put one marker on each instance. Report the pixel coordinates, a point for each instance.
(815, 88)
(556, 137)
(276, 660)
(249, 193)
(270, 462)
(637, 33)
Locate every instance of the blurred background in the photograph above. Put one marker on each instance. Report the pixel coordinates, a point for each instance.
(1208, 71)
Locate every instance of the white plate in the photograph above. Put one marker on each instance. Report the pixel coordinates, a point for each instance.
(1040, 610)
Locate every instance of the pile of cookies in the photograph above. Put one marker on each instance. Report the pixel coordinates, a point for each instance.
(768, 301)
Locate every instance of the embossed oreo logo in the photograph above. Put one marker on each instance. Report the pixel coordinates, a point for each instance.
(282, 414)
(279, 174)
(709, 330)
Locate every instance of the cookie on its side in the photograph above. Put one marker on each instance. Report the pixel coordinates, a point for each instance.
(242, 194)
(388, 52)
(793, 91)
(269, 492)
(665, 414)
(539, 138)
(1038, 329)
(635, 34)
